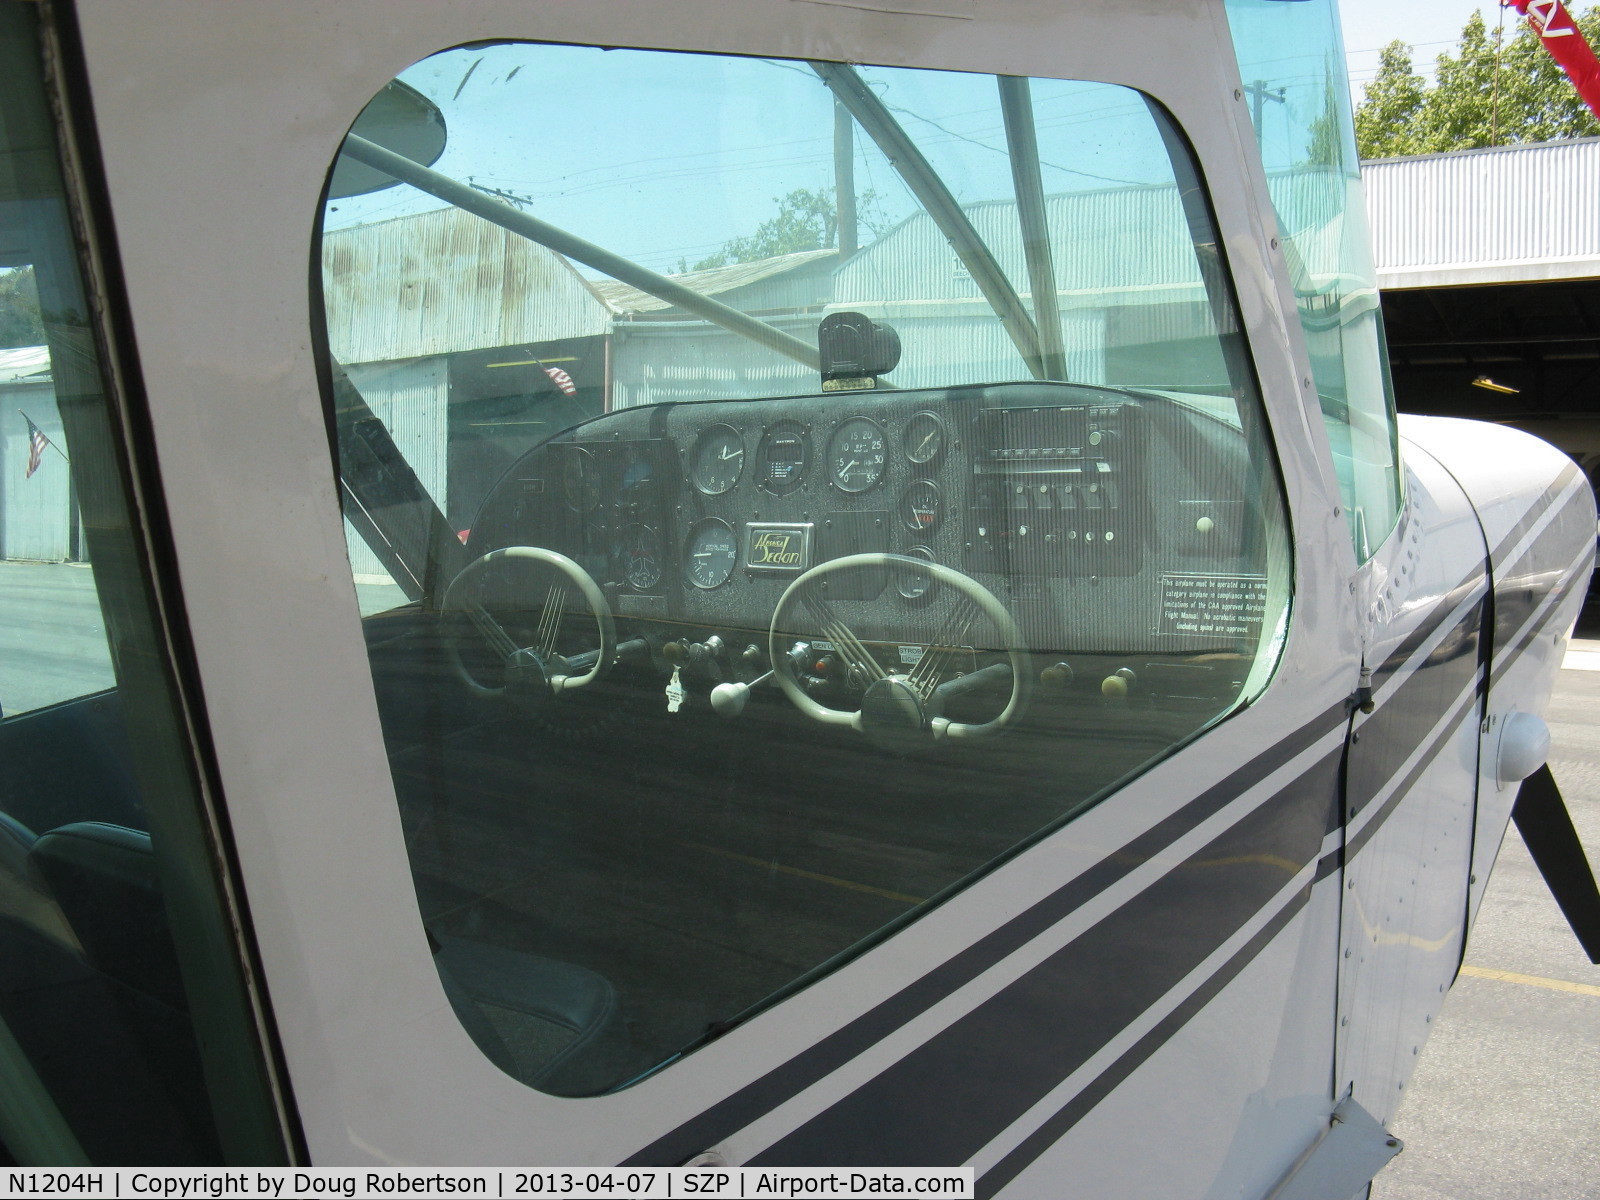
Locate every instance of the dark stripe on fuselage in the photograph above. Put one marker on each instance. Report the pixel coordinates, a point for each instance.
(1519, 589)
(1467, 708)
(1429, 625)
(945, 1100)
(1536, 510)
(1084, 1101)
(1391, 734)
(1475, 578)
(822, 1059)
(826, 1056)
(1057, 1126)
(1516, 605)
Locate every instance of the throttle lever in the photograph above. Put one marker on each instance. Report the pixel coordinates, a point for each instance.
(728, 699)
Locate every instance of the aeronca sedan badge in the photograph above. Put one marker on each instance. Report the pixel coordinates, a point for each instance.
(777, 549)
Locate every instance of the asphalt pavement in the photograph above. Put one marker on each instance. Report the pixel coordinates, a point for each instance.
(52, 640)
(1505, 1104)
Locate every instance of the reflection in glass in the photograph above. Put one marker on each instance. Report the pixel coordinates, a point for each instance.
(820, 710)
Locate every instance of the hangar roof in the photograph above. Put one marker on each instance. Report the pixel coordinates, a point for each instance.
(1510, 214)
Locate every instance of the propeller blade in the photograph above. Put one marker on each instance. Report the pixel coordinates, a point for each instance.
(1546, 826)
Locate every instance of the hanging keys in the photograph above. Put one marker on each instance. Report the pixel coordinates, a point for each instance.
(675, 693)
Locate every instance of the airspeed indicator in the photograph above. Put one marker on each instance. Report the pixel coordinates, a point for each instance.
(857, 455)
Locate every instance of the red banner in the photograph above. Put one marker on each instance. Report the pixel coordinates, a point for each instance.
(1565, 42)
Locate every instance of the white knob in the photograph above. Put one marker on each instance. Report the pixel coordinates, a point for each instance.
(728, 698)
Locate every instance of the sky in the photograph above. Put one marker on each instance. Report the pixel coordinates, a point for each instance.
(663, 158)
(1429, 27)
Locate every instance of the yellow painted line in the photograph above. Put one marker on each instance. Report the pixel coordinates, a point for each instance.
(848, 884)
(1555, 985)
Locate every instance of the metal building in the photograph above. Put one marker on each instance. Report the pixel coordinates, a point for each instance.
(38, 516)
(1489, 265)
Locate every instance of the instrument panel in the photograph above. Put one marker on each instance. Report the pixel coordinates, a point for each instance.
(1070, 503)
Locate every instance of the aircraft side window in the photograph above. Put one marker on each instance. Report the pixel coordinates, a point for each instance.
(106, 925)
(866, 476)
(1300, 107)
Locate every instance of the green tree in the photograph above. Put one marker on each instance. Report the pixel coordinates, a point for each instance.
(1488, 92)
(19, 310)
(807, 219)
(1386, 119)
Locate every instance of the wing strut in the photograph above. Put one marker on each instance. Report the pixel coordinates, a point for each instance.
(471, 200)
(924, 183)
(1546, 826)
(1016, 106)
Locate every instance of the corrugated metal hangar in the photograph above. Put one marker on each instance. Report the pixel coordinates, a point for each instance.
(1488, 267)
(1489, 270)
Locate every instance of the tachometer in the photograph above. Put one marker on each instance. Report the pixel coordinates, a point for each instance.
(857, 455)
(923, 440)
(718, 459)
(710, 554)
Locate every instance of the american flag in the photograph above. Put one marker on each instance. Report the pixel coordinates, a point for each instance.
(36, 444)
(561, 379)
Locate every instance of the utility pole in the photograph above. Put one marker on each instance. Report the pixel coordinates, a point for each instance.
(1260, 94)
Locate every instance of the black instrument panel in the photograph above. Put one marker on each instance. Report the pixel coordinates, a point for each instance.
(1070, 503)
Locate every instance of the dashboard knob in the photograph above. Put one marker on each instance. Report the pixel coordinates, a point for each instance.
(727, 699)
(1119, 683)
(1105, 439)
(1057, 676)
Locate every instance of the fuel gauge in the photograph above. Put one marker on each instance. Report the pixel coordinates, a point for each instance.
(922, 507)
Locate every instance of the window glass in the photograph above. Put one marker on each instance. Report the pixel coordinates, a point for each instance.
(116, 962)
(1291, 60)
(807, 485)
(43, 572)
